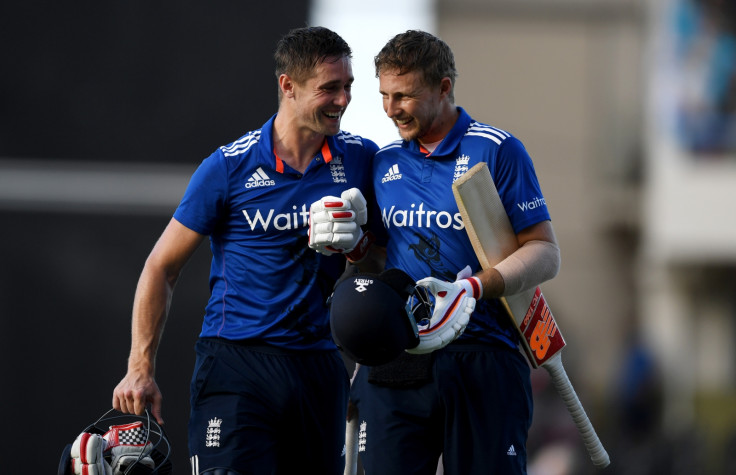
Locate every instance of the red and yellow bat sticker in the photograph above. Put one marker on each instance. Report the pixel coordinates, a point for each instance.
(540, 329)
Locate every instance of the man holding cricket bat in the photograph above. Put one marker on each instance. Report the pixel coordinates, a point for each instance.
(464, 392)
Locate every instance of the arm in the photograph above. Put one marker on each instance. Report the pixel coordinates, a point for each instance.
(536, 260)
(150, 308)
(374, 261)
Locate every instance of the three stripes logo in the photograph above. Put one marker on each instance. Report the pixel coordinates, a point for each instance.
(259, 178)
(392, 174)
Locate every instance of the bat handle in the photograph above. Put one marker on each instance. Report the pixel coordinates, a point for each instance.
(562, 383)
(351, 446)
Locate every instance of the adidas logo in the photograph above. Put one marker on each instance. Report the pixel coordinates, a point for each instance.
(259, 178)
(511, 451)
(392, 174)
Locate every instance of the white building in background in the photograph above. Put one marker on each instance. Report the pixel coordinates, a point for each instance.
(688, 256)
(367, 26)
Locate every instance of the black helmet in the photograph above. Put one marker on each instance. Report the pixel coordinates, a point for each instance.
(373, 317)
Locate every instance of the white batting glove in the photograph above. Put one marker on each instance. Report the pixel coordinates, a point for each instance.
(87, 455)
(334, 223)
(126, 445)
(454, 303)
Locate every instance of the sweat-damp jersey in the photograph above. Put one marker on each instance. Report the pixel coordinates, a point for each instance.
(426, 235)
(267, 285)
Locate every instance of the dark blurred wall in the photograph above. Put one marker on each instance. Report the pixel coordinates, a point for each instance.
(165, 81)
(67, 291)
(125, 82)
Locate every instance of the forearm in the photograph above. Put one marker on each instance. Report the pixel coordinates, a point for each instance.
(150, 309)
(533, 263)
(374, 261)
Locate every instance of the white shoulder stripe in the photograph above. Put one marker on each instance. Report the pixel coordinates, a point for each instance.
(483, 130)
(352, 141)
(244, 139)
(477, 126)
(391, 145)
(486, 135)
(242, 144)
(347, 137)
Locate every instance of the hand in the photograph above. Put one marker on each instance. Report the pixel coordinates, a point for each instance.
(87, 455)
(454, 303)
(334, 223)
(135, 392)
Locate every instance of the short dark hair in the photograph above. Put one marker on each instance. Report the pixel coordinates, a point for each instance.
(416, 50)
(302, 49)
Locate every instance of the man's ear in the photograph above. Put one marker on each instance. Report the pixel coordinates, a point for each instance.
(286, 84)
(446, 86)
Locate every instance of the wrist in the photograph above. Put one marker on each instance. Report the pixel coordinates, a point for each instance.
(361, 248)
(141, 365)
(473, 286)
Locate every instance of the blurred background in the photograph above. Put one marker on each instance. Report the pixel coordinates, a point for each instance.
(627, 107)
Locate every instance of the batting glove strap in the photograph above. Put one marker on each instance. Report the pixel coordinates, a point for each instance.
(361, 248)
(473, 286)
(127, 445)
(454, 303)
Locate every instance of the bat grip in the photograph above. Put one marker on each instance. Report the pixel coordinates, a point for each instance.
(351, 446)
(564, 387)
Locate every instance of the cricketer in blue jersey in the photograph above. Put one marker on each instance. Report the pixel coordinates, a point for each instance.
(467, 398)
(269, 391)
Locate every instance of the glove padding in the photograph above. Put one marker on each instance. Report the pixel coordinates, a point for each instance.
(126, 445)
(334, 223)
(454, 303)
(87, 455)
(112, 453)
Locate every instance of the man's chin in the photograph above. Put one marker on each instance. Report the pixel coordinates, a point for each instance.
(407, 135)
(331, 129)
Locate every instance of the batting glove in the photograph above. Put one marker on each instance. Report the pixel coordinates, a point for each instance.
(112, 453)
(454, 302)
(87, 455)
(127, 445)
(334, 223)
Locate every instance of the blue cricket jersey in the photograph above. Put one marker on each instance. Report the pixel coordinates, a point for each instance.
(267, 286)
(426, 235)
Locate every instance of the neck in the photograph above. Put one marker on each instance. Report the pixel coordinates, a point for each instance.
(294, 146)
(442, 125)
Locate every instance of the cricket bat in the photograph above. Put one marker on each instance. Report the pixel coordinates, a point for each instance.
(493, 239)
(351, 446)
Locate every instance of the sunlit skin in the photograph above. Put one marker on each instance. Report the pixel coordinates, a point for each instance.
(419, 111)
(311, 109)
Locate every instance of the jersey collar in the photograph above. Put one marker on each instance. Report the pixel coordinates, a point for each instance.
(451, 140)
(267, 156)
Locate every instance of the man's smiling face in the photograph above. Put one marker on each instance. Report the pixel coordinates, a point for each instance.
(322, 99)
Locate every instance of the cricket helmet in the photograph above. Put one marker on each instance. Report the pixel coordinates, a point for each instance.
(373, 317)
(152, 432)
